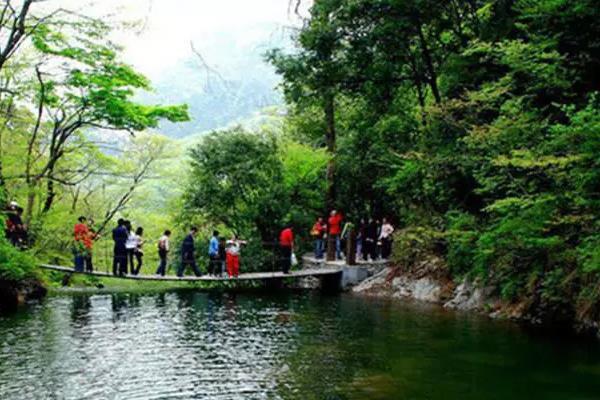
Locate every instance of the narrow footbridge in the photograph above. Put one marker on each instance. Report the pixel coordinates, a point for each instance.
(252, 276)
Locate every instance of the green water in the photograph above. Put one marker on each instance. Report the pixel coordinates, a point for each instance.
(186, 344)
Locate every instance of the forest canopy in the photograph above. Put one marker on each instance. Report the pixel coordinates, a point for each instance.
(474, 124)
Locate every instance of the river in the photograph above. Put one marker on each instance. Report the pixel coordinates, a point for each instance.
(191, 344)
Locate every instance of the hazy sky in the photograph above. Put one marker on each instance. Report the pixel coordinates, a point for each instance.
(166, 27)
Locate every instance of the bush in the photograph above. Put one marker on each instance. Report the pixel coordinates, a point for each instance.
(461, 238)
(414, 244)
(16, 265)
(519, 243)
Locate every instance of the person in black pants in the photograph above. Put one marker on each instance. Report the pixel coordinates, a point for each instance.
(222, 255)
(370, 240)
(119, 235)
(188, 254)
(163, 251)
(139, 251)
(213, 254)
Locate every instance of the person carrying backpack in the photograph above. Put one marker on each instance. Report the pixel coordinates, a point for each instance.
(163, 251)
(318, 233)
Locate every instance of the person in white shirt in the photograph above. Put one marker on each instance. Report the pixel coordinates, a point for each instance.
(138, 250)
(233, 249)
(163, 251)
(385, 236)
(130, 246)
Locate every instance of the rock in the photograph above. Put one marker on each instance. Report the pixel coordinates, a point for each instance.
(12, 293)
(469, 296)
(423, 289)
(373, 283)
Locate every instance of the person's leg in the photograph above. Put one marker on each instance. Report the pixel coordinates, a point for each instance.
(338, 247)
(89, 267)
(162, 265)
(195, 268)
(78, 263)
(115, 265)
(123, 263)
(181, 268)
(213, 265)
(373, 250)
(286, 259)
(281, 259)
(229, 265)
(236, 266)
(140, 261)
(129, 261)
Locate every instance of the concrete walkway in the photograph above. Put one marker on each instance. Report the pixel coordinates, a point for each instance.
(309, 259)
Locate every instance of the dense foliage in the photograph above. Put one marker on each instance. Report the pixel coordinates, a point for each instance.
(16, 265)
(71, 140)
(251, 184)
(476, 124)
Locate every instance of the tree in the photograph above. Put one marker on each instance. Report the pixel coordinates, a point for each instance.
(91, 89)
(254, 183)
(313, 77)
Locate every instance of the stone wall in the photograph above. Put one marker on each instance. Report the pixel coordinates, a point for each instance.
(352, 275)
(465, 296)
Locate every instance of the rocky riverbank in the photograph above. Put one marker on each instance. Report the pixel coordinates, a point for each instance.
(13, 294)
(430, 284)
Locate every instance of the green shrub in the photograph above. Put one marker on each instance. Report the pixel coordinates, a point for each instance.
(16, 265)
(518, 242)
(415, 243)
(461, 238)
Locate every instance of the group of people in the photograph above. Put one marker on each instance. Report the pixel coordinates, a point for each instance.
(224, 255)
(373, 241)
(128, 248)
(373, 237)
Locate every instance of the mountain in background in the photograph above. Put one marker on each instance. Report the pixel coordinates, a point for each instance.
(223, 81)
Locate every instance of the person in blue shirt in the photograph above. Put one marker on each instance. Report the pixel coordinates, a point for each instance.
(120, 235)
(188, 256)
(213, 254)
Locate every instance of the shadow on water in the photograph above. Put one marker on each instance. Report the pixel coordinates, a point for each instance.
(300, 345)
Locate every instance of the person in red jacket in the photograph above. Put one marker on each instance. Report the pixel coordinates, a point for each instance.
(286, 248)
(335, 229)
(84, 237)
(318, 232)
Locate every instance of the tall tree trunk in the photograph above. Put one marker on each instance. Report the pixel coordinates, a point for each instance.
(418, 82)
(50, 195)
(50, 189)
(426, 53)
(75, 199)
(30, 202)
(329, 108)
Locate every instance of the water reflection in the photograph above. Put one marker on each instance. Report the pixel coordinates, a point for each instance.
(218, 345)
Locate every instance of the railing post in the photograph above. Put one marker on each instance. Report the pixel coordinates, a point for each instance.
(351, 248)
(330, 248)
